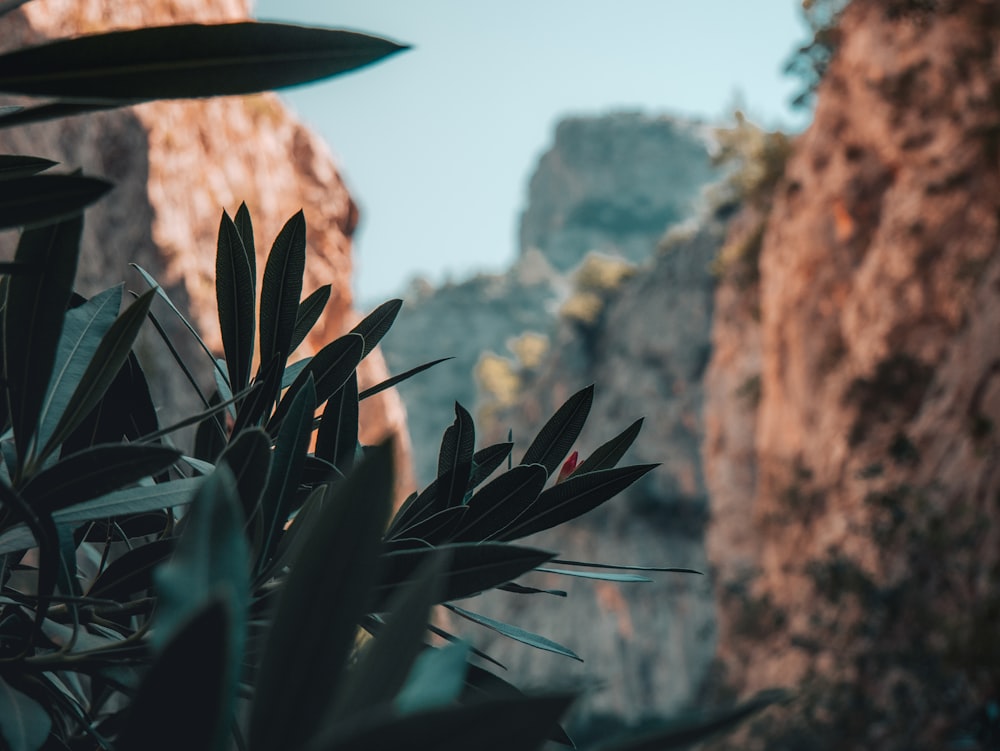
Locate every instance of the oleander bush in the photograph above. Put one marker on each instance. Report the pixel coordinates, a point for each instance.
(255, 591)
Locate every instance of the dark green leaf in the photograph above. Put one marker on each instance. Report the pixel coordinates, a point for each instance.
(609, 454)
(472, 569)
(130, 501)
(18, 267)
(388, 383)
(171, 711)
(436, 679)
(309, 312)
(321, 602)
(598, 575)
(41, 199)
(245, 227)
(684, 731)
(248, 456)
(388, 657)
(437, 528)
(111, 354)
(286, 469)
(377, 324)
(33, 321)
(83, 328)
(573, 497)
(257, 406)
(485, 461)
(235, 290)
(281, 288)
(337, 437)
(590, 564)
(94, 472)
(24, 723)
(133, 572)
(558, 435)
(500, 503)
(187, 60)
(293, 371)
(455, 459)
(14, 166)
(41, 532)
(520, 589)
(515, 632)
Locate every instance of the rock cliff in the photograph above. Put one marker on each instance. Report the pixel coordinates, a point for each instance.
(855, 519)
(176, 166)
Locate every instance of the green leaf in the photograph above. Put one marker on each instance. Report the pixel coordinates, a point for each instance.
(24, 723)
(472, 569)
(590, 564)
(83, 328)
(248, 457)
(33, 321)
(388, 383)
(42, 199)
(609, 454)
(377, 324)
(130, 501)
(337, 438)
(190, 60)
(558, 435)
(485, 461)
(500, 503)
(436, 679)
(245, 227)
(258, 404)
(94, 472)
(437, 528)
(293, 371)
(320, 605)
(13, 166)
(515, 632)
(281, 289)
(598, 575)
(111, 354)
(133, 572)
(574, 497)
(388, 657)
(308, 313)
(173, 711)
(455, 459)
(521, 723)
(681, 732)
(235, 291)
(286, 469)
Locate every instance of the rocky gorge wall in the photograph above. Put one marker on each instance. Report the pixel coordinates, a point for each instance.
(177, 165)
(855, 514)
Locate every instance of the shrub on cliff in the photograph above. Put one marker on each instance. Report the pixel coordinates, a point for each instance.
(259, 591)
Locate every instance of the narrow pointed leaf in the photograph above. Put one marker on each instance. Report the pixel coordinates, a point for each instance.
(189, 60)
(41, 199)
(83, 329)
(94, 472)
(258, 404)
(13, 166)
(609, 454)
(485, 461)
(472, 569)
(321, 602)
(308, 313)
(293, 371)
(386, 661)
(245, 227)
(248, 456)
(598, 575)
(281, 289)
(455, 459)
(24, 723)
(617, 567)
(515, 632)
(235, 290)
(133, 572)
(33, 321)
(111, 354)
(388, 383)
(201, 647)
(377, 324)
(574, 497)
(337, 438)
(520, 589)
(439, 527)
(558, 435)
(500, 503)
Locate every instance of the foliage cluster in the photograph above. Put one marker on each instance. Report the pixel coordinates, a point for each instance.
(151, 598)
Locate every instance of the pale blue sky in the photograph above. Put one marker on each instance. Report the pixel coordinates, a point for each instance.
(437, 144)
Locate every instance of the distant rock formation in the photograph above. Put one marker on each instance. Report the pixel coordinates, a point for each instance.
(176, 166)
(610, 184)
(855, 523)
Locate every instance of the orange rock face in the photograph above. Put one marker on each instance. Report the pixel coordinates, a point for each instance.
(177, 165)
(856, 507)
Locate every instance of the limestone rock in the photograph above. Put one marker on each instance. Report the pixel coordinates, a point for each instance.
(177, 165)
(855, 517)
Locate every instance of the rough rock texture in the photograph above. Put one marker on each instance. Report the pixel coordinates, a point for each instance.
(856, 524)
(651, 645)
(613, 184)
(177, 165)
